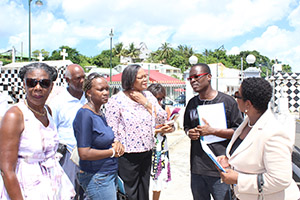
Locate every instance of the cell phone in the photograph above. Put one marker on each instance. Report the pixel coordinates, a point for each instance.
(174, 117)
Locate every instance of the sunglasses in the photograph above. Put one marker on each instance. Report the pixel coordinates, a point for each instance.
(44, 83)
(196, 76)
(237, 96)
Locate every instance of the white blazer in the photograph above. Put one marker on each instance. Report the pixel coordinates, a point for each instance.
(266, 149)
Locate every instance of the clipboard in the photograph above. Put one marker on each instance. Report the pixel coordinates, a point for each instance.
(215, 115)
(211, 155)
(121, 185)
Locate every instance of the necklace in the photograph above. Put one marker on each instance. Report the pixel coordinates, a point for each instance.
(36, 112)
(91, 107)
(250, 126)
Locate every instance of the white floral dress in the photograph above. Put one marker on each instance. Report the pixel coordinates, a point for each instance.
(39, 174)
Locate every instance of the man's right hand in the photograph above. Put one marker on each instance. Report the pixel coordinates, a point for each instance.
(194, 134)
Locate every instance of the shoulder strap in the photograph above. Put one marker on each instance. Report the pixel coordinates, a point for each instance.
(260, 183)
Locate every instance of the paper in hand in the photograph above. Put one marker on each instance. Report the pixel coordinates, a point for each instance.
(215, 116)
(211, 155)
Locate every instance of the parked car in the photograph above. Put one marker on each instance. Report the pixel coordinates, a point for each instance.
(167, 101)
(180, 99)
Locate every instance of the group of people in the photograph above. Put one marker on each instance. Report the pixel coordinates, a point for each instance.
(127, 141)
(38, 140)
(255, 151)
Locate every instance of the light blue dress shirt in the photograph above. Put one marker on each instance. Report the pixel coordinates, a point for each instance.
(64, 109)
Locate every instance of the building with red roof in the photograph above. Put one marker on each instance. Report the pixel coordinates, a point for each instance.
(173, 86)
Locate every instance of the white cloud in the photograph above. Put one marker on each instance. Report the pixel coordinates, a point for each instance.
(12, 18)
(279, 43)
(237, 17)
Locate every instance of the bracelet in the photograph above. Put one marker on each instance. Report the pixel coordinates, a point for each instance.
(114, 152)
(146, 104)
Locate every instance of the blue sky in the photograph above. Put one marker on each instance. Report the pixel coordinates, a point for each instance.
(271, 27)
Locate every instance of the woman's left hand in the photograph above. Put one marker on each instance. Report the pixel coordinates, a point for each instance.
(167, 128)
(119, 148)
(138, 97)
(230, 177)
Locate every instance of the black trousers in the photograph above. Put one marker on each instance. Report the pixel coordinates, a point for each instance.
(134, 169)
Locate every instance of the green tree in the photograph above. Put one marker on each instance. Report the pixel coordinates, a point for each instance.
(132, 51)
(118, 50)
(179, 62)
(153, 58)
(166, 51)
(73, 54)
(103, 60)
(44, 53)
(286, 68)
(84, 61)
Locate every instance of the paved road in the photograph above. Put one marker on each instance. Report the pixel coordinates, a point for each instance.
(179, 187)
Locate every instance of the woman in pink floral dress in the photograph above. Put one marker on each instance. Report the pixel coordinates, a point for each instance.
(28, 143)
(133, 114)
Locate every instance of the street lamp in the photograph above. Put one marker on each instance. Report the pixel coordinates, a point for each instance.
(38, 3)
(188, 88)
(250, 59)
(217, 69)
(193, 60)
(111, 36)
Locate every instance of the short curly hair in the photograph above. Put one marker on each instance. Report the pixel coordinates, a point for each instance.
(51, 71)
(87, 84)
(258, 91)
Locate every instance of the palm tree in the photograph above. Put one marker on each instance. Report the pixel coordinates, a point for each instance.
(181, 49)
(185, 51)
(132, 52)
(206, 54)
(188, 51)
(119, 50)
(165, 51)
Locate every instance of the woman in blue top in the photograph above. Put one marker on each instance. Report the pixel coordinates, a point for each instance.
(95, 141)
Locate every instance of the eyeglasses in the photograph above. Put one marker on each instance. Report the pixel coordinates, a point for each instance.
(237, 96)
(44, 83)
(142, 77)
(196, 76)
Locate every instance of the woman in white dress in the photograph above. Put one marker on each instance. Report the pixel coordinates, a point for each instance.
(160, 169)
(28, 143)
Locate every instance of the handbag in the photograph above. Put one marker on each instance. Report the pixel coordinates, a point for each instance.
(121, 196)
(62, 149)
(260, 184)
(75, 156)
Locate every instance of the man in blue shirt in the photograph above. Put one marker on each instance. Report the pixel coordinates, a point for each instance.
(64, 109)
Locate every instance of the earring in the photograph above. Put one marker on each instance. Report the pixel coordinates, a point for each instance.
(246, 111)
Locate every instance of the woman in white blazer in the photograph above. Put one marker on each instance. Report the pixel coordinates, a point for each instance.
(259, 146)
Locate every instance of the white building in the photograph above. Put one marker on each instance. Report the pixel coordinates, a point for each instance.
(103, 71)
(162, 68)
(144, 54)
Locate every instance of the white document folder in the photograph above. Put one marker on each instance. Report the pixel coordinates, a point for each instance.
(215, 115)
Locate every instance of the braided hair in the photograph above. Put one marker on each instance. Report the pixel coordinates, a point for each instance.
(51, 71)
(87, 85)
